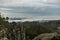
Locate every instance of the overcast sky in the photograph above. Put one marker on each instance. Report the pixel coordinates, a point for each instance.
(30, 8)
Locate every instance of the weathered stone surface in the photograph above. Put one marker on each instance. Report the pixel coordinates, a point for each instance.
(47, 36)
(4, 38)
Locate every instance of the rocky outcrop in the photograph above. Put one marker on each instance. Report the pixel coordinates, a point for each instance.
(5, 38)
(48, 36)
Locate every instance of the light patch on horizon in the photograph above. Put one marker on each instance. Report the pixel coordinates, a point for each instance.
(39, 18)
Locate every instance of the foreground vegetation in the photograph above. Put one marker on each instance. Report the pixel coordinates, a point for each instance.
(26, 30)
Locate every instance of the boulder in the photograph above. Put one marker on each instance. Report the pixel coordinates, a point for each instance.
(47, 36)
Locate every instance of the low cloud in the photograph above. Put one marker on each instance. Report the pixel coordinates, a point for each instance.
(29, 2)
(5, 9)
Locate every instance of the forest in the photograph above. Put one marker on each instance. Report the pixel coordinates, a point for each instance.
(26, 30)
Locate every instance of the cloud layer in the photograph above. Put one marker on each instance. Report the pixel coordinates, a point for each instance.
(30, 8)
(30, 2)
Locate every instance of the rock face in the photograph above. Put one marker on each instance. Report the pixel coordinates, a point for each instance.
(4, 38)
(48, 36)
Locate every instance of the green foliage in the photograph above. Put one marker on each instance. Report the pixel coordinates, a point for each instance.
(32, 29)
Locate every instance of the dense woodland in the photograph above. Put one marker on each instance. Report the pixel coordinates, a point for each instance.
(26, 30)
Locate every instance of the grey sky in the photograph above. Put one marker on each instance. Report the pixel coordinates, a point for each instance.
(30, 8)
